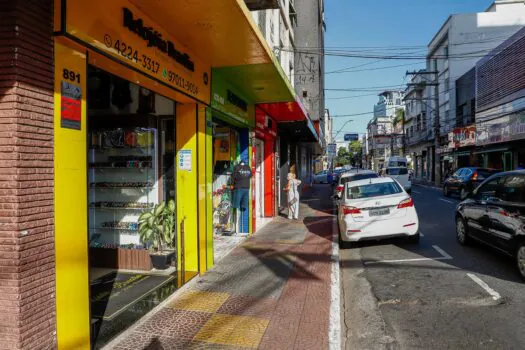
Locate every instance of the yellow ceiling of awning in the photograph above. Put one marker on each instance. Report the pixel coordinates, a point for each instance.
(221, 32)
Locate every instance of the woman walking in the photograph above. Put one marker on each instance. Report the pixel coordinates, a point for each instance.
(293, 196)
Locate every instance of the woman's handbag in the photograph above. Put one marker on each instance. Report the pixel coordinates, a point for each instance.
(293, 201)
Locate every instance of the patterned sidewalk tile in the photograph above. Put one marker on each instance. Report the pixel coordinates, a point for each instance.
(248, 306)
(199, 301)
(242, 331)
(138, 340)
(181, 324)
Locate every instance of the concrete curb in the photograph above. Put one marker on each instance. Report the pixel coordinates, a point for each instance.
(334, 329)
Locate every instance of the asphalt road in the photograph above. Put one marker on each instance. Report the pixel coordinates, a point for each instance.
(433, 295)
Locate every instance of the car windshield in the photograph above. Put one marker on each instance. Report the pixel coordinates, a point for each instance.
(396, 163)
(396, 171)
(372, 190)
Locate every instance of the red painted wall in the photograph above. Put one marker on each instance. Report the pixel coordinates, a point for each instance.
(269, 178)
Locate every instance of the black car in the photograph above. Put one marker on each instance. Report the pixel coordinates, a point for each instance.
(494, 214)
(465, 180)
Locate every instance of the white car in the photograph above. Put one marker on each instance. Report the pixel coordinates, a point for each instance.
(374, 209)
(401, 175)
(352, 175)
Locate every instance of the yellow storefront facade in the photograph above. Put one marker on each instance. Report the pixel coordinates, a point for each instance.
(134, 126)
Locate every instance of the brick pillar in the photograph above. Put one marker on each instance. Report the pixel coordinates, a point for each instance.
(27, 265)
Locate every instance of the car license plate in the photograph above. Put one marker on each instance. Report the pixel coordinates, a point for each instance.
(379, 212)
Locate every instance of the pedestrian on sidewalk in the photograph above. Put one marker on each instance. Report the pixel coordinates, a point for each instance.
(292, 188)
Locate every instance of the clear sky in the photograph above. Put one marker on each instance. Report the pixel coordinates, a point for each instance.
(379, 27)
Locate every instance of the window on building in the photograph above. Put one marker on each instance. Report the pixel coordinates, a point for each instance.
(445, 53)
(398, 101)
(434, 65)
(447, 84)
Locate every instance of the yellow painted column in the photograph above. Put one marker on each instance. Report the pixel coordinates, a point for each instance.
(71, 236)
(203, 188)
(187, 194)
(209, 189)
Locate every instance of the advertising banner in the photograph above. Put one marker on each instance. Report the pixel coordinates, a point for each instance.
(462, 137)
(507, 128)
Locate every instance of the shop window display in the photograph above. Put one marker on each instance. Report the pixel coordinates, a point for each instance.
(131, 160)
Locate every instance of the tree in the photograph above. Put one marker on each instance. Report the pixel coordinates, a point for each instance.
(343, 157)
(355, 148)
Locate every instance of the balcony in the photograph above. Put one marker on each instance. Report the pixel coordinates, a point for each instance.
(256, 5)
(421, 136)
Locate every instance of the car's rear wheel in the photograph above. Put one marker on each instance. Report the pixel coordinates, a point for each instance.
(461, 231)
(520, 260)
(463, 193)
(446, 193)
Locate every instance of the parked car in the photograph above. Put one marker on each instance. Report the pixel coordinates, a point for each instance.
(336, 175)
(465, 180)
(494, 214)
(321, 177)
(352, 175)
(376, 208)
(401, 175)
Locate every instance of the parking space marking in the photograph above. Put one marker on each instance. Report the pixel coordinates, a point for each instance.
(446, 200)
(444, 256)
(495, 295)
(442, 252)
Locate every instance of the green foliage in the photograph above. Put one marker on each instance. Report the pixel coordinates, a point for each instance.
(157, 226)
(400, 117)
(355, 148)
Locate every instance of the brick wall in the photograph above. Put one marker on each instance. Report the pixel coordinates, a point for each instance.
(27, 275)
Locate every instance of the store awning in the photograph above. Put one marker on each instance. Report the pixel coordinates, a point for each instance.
(286, 111)
(490, 150)
(298, 131)
(293, 113)
(224, 34)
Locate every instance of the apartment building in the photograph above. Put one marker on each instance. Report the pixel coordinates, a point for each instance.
(460, 42)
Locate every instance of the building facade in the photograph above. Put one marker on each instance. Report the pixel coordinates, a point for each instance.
(385, 132)
(418, 126)
(500, 106)
(102, 125)
(451, 53)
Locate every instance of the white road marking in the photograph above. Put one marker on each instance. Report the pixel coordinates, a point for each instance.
(446, 200)
(495, 295)
(444, 256)
(442, 252)
(421, 234)
(416, 192)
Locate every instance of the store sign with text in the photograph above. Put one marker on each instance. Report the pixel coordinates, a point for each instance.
(507, 128)
(229, 101)
(120, 30)
(265, 127)
(462, 137)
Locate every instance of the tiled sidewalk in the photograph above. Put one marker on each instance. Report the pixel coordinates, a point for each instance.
(271, 292)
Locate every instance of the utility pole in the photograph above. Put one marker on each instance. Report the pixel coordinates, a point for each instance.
(437, 132)
(437, 125)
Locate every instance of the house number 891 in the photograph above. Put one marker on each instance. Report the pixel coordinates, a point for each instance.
(71, 75)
